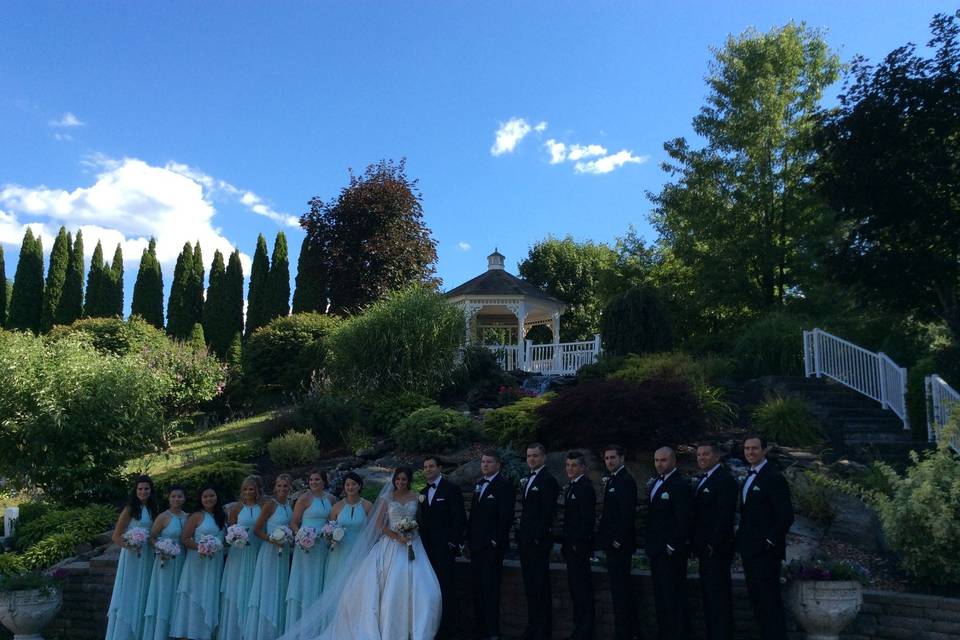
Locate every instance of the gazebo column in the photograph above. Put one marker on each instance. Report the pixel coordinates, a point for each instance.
(521, 351)
(555, 326)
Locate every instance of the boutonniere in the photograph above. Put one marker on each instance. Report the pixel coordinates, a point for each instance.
(477, 487)
(422, 498)
(524, 480)
(611, 489)
(605, 480)
(664, 496)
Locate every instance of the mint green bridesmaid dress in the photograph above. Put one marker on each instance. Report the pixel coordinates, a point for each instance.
(163, 584)
(196, 609)
(306, 574)
(238, 578)
(129, 598)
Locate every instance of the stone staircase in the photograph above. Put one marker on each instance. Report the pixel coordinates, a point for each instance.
(857, 426)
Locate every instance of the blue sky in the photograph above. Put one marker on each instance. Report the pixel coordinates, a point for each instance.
(218, 121)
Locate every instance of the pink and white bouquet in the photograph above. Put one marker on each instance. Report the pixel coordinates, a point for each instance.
(281, 536)
(237, 536)
(166, 549)
(209, 546)
(408, 526)
(307, 538)
(332, 533)
(134, 539)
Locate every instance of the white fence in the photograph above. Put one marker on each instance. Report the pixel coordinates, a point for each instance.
(563, 358)
(874, 375)
(942, 400)
(508, 355)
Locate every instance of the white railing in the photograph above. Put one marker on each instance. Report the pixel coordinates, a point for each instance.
(508, 355)
(874, 375)
(942, 399)
(562, 358)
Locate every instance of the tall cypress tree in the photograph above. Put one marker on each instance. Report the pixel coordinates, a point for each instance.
(233, 295)
(215, 309)
(56, 276)
(94, 305)
(115, 299)
(310, 293)
(3, 290)
(196, 285)
(26, 303)
(148, 289)
(180, 306)
(278, 280)
(71, 302)
(258, 298)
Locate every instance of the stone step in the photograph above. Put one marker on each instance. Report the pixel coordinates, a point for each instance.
(865, 425)
(871, 437)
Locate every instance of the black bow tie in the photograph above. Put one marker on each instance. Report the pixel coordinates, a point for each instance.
(752, 472)
(661, 478)
(431, 485)
(483, 481)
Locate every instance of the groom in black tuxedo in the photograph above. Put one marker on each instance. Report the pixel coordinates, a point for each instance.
(442, 520)
(616, 536)
(538, 493)
(488, 537)
(579, 516)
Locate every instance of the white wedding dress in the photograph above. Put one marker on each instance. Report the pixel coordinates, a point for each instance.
(387, 597)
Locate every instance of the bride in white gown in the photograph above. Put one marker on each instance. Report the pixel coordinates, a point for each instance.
(388, 596)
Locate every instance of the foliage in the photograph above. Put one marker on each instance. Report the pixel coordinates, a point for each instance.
(56, 276)
(636, 321)
(71, 302)
(233, 296)
(826, 570)
(83, 522)
(433, 429)
(813, 499)
(310, 293)
(26, 303)
(294, 448)
(917, 395)
(329, 417)
(516, 424)
(478, 378)
(3, 291)
(148, 288)
(11, 565)
(71, 416)
(180, 307)
(115, 336)
(893, 146)
(224, 475)
(50, 550)
(287, 352)
(770, 345)
(96, 305)
(638, 415)
(387, 412)
(606, 365)
(406, 342)
(217, 327)
(370, 240)
(508, 394)
(29, 582)
(738, 225)
(114, 298)
(193, 377)
(278, 280)
(258, 298)
(787, 422)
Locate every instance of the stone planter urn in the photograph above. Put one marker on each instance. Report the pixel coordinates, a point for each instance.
(824, 608)
(26, 613)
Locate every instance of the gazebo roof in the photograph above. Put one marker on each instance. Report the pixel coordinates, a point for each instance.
(495, 281)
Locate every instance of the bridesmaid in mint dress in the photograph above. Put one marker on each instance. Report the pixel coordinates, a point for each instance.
(165, 575)
(352, 513)
(306, 575)
(196, 609)
(241, 561)
(129, 599)
(266, 609)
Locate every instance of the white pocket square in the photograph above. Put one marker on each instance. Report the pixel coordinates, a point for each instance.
(439, 499)
(610, 490)
(535, 489)
(706, 490)
(756, 488)
(489, 496)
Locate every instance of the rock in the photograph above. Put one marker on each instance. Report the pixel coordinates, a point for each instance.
(847, 468)
(377, 450)
(856, 524)
(103, 539)
(466, 474)
(390, 462)
(350, 462)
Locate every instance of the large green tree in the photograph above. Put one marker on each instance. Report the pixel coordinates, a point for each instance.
(233, 295)
(148, 289)
(196, 284)
(71, 301)
(371, 239)
(258, 299)
(3, 290)
(26, 303)
(95, 306)
(278, 280)
(114, 299)
(890, 169)
(56, 277)
(310, 293)
(737, 222)
(180, 307)
(216, 327)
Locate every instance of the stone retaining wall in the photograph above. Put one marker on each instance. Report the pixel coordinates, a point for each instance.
(884, 616)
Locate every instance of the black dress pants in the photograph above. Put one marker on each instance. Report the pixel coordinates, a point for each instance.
(486, 567)
(669, 574)
(717, 594)
(535, 569)
(443, 561)
(621, 592)
(762, 575)
(580, 580)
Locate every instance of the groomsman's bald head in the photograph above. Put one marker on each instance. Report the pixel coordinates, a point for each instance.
(665, 460)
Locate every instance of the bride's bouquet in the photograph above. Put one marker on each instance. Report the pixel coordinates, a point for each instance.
(209, 546)
(407, 526)
(166, 549)
(307, 538)
(134, 539)
(237, 536)
(281, 536)
(332, 533)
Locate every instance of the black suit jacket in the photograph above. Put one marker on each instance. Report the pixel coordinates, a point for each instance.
(538, 508)
(766, 514)
(714, 511)
(491, 516)
(617, 522)
(442, 523)
(579, 515)
(669, 515)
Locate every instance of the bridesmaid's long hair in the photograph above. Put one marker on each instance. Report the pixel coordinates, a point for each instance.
(134, 504)
(257, 483)
(219, 516)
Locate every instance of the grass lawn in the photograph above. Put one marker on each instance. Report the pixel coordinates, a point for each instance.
(239, 440)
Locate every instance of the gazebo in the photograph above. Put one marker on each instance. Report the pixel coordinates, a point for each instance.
(501, 309)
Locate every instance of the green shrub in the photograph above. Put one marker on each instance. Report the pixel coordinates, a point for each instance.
(478, 378)
(85, 523)
(812, 498)
(50, 550)
(433, 429)
(387, 412)
(11, 565)
(406, 342)
(517, 424)
(293, 449)
(636, 321)
(72, 416)
(917, 395)
(605, 365)
(284, 354)
(772, 345)
(328, 417)
(224, 476)
(115, 335)
(787, 422)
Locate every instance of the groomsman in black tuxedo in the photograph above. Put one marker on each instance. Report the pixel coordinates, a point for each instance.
(766, 514)
(538, 494)
(579, 515)
(488, 536)
(714, 509)
(442, 520)
(668, 529)
(616, 536)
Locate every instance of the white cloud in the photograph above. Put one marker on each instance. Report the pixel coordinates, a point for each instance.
(509, 136)
(558, 151)
(541, 127)
(608, 163)
(579, 152)
(62, 137)
(129, 202)
(464, 246)
(67, 120)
